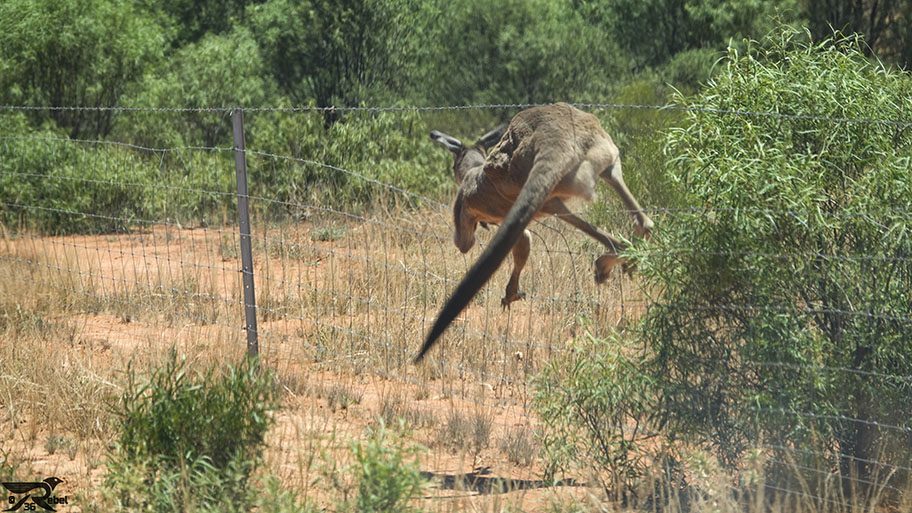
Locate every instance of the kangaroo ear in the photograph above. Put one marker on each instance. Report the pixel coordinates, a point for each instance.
(491, 138)
(447, 141)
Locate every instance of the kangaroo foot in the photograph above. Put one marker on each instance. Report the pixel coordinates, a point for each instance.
(511, 297)
(604, 264)
(643, 227)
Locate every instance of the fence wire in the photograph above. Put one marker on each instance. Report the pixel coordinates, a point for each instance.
(225, 110)
(346, 290)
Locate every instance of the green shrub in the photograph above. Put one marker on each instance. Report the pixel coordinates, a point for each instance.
(8, 467)
(52, 185)
(348, 163)
(340, 52)
(779, 314)
(74, 54)
(218, 71)
(597, 408)
(689, 70)
(783, 300)
(522, 51)
(651, 32)
(56, 185)
(191, 440)
(195, 188)
(387, 474)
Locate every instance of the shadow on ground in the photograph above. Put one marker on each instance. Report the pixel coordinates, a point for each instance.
(482, 482)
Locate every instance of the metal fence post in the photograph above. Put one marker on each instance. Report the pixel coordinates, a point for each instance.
(240, 166)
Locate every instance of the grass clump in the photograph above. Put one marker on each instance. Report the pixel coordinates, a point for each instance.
(8, 467)
(190, 440)
(387, 473)
(467, 432)
(395, 409)
(327, 234)
(519, 445)
(72, 399)
(63, 443)
(340, 397)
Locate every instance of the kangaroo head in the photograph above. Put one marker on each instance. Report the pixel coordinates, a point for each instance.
(467, 157)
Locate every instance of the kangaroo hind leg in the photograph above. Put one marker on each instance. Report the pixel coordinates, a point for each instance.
(520, 256)
(605, 263)
(615, 178)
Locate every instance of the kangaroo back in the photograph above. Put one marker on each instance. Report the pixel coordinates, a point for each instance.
(548, 168)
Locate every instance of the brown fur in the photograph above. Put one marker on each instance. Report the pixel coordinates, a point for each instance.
(547, 155)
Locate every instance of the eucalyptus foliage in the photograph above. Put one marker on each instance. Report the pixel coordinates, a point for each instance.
(783, 296)
(781, 284)
(224, 70)
(341, 52)
(519, 51)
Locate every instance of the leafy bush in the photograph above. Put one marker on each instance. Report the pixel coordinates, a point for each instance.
(597, 409)
(651, 32)
(784, 297)
(339, 52)
(218, 71)
(387, 474)
(56, 185)
(188, 21)
(342, 164)
(886, 26)
(53, 185)
(521, 51)
(194, 188)
(191, 440)
(74, 53)
(687, 71)
(780, 312)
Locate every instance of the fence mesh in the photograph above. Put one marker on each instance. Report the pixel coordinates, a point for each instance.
(131, 247)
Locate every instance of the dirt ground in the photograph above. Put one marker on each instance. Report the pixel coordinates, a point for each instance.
(342, 307)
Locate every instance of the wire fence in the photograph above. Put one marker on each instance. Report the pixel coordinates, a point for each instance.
(141, 244)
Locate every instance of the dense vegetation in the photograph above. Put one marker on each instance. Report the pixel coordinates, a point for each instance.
(780, 315)
(190, 437)
(321, 53)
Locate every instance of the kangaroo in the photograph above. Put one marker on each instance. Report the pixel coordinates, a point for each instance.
(544, 157)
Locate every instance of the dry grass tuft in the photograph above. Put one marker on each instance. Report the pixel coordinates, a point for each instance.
(44, 384)
(467, 432)
(340, 397)
(395, 409)
(518, 444)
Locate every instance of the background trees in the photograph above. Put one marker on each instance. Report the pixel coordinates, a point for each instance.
(885, 24)
(350, 52)
(339, 52)
(74, 53)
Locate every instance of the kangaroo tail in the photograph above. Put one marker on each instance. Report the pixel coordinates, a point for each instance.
(543, 177)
